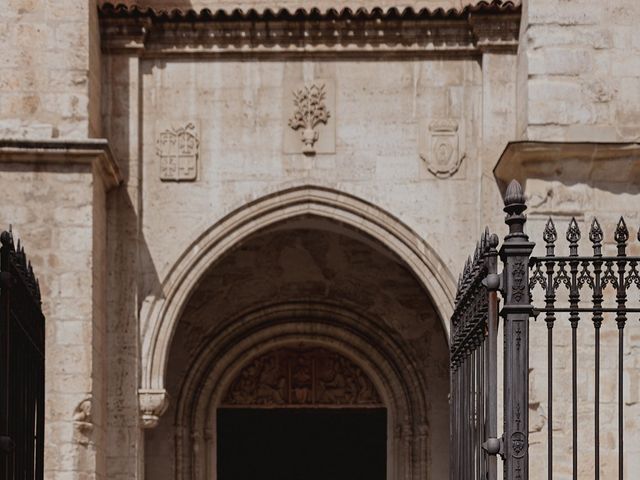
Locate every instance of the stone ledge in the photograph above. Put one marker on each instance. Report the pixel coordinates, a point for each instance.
(472, 30)
(91, 151)
(569, 162)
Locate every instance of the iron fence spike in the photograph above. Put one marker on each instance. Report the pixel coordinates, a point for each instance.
(573, 231)
(550, 234)
(595, 233)
(622, 232)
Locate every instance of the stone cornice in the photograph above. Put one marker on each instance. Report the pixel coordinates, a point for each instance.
(570, 162)
(472, 30)
(91, 151)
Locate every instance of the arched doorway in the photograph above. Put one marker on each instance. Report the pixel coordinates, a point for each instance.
(301, 411)
(314, 281)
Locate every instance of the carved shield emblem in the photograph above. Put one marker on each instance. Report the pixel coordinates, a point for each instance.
(440, 147)
(177, 150)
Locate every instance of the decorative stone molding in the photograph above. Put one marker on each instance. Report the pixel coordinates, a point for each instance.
(440, 146)
(159, 316)
(569, 162)
(310, 113)
(391, 367)
(153, 403)
(95, 152)
(291, 377)
(177, 150)
(83, 421)
(82, 418)
(472, 29)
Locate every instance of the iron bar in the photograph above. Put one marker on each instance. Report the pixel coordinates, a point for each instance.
(584, 310)
(550, 236)
(516, 310)
(580, 258)
(573, 237)
(621, 237)
(596, 237)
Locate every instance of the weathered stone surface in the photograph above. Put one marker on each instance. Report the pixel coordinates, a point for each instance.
(215, 253)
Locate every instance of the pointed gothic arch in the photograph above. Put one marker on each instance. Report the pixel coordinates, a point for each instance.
(159, 316)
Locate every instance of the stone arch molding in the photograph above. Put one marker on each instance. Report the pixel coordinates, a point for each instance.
(388, 364)
(159, 316)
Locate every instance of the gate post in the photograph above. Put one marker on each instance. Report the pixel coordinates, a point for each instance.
(514, 253)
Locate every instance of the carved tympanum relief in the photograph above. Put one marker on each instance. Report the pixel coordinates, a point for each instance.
(440, 146)
(309, 108)
(178, 150)
(301, 377)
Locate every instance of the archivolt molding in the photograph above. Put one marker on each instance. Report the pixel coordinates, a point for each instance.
(159, 316)
(389, 366)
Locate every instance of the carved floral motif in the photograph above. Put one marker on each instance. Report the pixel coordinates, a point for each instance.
(177, 149)
(301, 376)
(310, 111)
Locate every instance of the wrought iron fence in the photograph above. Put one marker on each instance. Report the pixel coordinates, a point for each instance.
(473, 364)
(21, 366)
(586, 279)
(592, 274)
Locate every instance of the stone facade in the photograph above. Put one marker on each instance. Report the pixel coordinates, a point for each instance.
(205, 230)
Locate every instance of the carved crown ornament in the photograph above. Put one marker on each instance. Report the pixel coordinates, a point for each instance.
(440, 146)
(482, 27)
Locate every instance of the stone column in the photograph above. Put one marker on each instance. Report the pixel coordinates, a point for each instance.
(54, 195)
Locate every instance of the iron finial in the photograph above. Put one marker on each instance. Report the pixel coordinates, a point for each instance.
(5, 237)
(595, 233)
(514, 194)
(622, 232)
(550, 234)
(573, 232)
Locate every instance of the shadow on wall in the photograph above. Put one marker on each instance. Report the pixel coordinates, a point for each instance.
(129, 269)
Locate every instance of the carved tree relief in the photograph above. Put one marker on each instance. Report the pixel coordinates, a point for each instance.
(310, 111)
(301, 377)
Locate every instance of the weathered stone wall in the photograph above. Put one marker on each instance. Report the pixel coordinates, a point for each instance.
(58, 213)
(379, 114)
(576, 77)
(579, 73)
(50, 71)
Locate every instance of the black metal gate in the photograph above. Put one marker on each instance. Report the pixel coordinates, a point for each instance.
(474, 327)
(21, 366)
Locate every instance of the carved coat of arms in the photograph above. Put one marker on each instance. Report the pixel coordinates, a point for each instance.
(177, 150)
(440, 147)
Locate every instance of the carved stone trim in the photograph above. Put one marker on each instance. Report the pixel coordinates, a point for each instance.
(369, 32)
(296, 377)
(178, 150)
(94, 151)
(153, 403)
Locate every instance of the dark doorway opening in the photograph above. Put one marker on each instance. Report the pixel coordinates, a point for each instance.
(302, 444)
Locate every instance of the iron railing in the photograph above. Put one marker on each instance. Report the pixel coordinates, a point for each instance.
(588, 280)
(21, 366)
(595, 273)
(473, 365)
